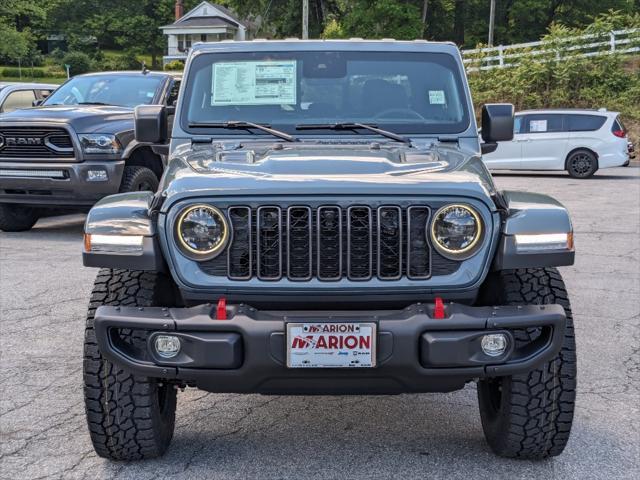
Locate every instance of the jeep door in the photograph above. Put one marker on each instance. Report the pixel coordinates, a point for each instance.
(544, 141)
(508, 155)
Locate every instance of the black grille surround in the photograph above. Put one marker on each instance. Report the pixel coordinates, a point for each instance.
(329, 243)
(35, 142)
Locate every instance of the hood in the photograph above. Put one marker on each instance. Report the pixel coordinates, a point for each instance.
(82, 118)
(325, 170)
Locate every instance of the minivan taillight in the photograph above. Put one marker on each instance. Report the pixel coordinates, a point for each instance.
(619, 133)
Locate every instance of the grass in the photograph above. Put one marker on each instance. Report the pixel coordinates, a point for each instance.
(54, 80)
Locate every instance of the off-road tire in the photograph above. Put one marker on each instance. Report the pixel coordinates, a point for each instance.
(137, 179)
(529, 416)
(129, 417)
(582, 164)
(17, 218)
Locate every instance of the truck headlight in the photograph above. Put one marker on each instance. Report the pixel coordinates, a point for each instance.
(99, 143)
(456, 231)
(202, 232)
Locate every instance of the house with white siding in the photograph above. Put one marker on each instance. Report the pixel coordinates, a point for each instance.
(207, 22)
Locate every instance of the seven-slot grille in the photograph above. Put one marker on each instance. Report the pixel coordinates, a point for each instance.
(35, 142)
(329, 243)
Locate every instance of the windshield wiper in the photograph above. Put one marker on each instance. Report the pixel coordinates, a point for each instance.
(354, 126)
(94, 103)
(247, 126)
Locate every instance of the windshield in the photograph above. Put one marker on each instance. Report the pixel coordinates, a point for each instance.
(398, 91)
(120, 90)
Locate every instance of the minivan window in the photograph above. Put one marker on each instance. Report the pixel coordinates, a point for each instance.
(402, 92)
(585, 123)
(543, 123)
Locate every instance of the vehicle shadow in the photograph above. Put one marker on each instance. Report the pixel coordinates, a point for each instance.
(256, 436)
(565, 175)
(53, 228)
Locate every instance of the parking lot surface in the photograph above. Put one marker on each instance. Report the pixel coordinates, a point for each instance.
(44, 290)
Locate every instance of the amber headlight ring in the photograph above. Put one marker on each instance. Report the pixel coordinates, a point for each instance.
(471, 247)
(206, 218)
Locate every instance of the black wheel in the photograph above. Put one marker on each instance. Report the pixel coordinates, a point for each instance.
(17, 218)
(138, 179)
(582, 164)
(529, 416)
(129, 417)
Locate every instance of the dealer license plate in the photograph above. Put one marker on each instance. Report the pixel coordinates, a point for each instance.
(331, 345)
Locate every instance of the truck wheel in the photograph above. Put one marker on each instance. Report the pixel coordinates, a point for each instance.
(129, 417)
(137, 179)
(582, 164)
(17, 218)
(529, 416)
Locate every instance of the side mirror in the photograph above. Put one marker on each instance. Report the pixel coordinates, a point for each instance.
(151, 124)
(497, 122)
(38, 102)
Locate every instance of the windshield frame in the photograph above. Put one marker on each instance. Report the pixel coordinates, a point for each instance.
(156, 98)
(202, 59)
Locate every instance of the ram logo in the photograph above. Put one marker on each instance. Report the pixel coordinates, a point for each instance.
(13, 141)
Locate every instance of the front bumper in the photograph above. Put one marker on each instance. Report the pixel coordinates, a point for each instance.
(246, 353)
(60, 184)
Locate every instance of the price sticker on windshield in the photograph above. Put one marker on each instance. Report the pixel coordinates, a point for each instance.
(269, 82)
(436, 97)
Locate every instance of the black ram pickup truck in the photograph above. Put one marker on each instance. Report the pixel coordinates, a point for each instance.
(78, 146)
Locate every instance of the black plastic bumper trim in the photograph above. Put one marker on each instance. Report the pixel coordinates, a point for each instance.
(400, 355)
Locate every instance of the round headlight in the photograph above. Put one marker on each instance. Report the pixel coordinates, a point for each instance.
(456, 231)
(202, 231)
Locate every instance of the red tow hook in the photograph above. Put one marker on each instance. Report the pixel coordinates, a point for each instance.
(221, 309)
(438, 309)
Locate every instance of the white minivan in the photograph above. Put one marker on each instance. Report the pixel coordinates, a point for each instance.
(578, 141)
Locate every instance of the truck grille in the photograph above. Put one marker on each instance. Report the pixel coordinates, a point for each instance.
(35, 142)
(329, 243)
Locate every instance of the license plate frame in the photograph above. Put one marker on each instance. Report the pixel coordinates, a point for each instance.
(354, 358)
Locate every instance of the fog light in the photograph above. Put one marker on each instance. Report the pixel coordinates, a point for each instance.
(167, 346)
(97, 176)
(494, 344)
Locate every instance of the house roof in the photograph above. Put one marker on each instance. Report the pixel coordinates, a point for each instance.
(202, 22)
(190, 20)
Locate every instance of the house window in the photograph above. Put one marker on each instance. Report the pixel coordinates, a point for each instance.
(181, 43)
(203, 37)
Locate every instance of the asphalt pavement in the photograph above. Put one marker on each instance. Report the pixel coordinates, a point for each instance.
(44, 290)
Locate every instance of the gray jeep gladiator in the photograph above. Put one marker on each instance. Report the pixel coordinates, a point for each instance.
(78, 145)
(325, 225)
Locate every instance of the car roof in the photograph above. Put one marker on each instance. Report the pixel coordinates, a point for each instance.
(173, 74)
(572, 111)
(352, 44)
(35, 86)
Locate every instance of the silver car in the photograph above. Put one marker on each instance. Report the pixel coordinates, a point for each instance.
(23, 95)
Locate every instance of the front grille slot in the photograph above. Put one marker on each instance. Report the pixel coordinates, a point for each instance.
(299, 244)
(389, 243)
(329, 243)
(418, 251)
(359, 243)
(35, 142)
(269, 243)
(239, 256)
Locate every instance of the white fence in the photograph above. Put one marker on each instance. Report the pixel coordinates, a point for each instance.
(617, 41)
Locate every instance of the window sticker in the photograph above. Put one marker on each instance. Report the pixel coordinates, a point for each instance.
(254, 83)
(538, 126)
(436, 97)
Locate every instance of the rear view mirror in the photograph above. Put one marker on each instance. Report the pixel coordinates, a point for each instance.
(151, 124)
(497, 122)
